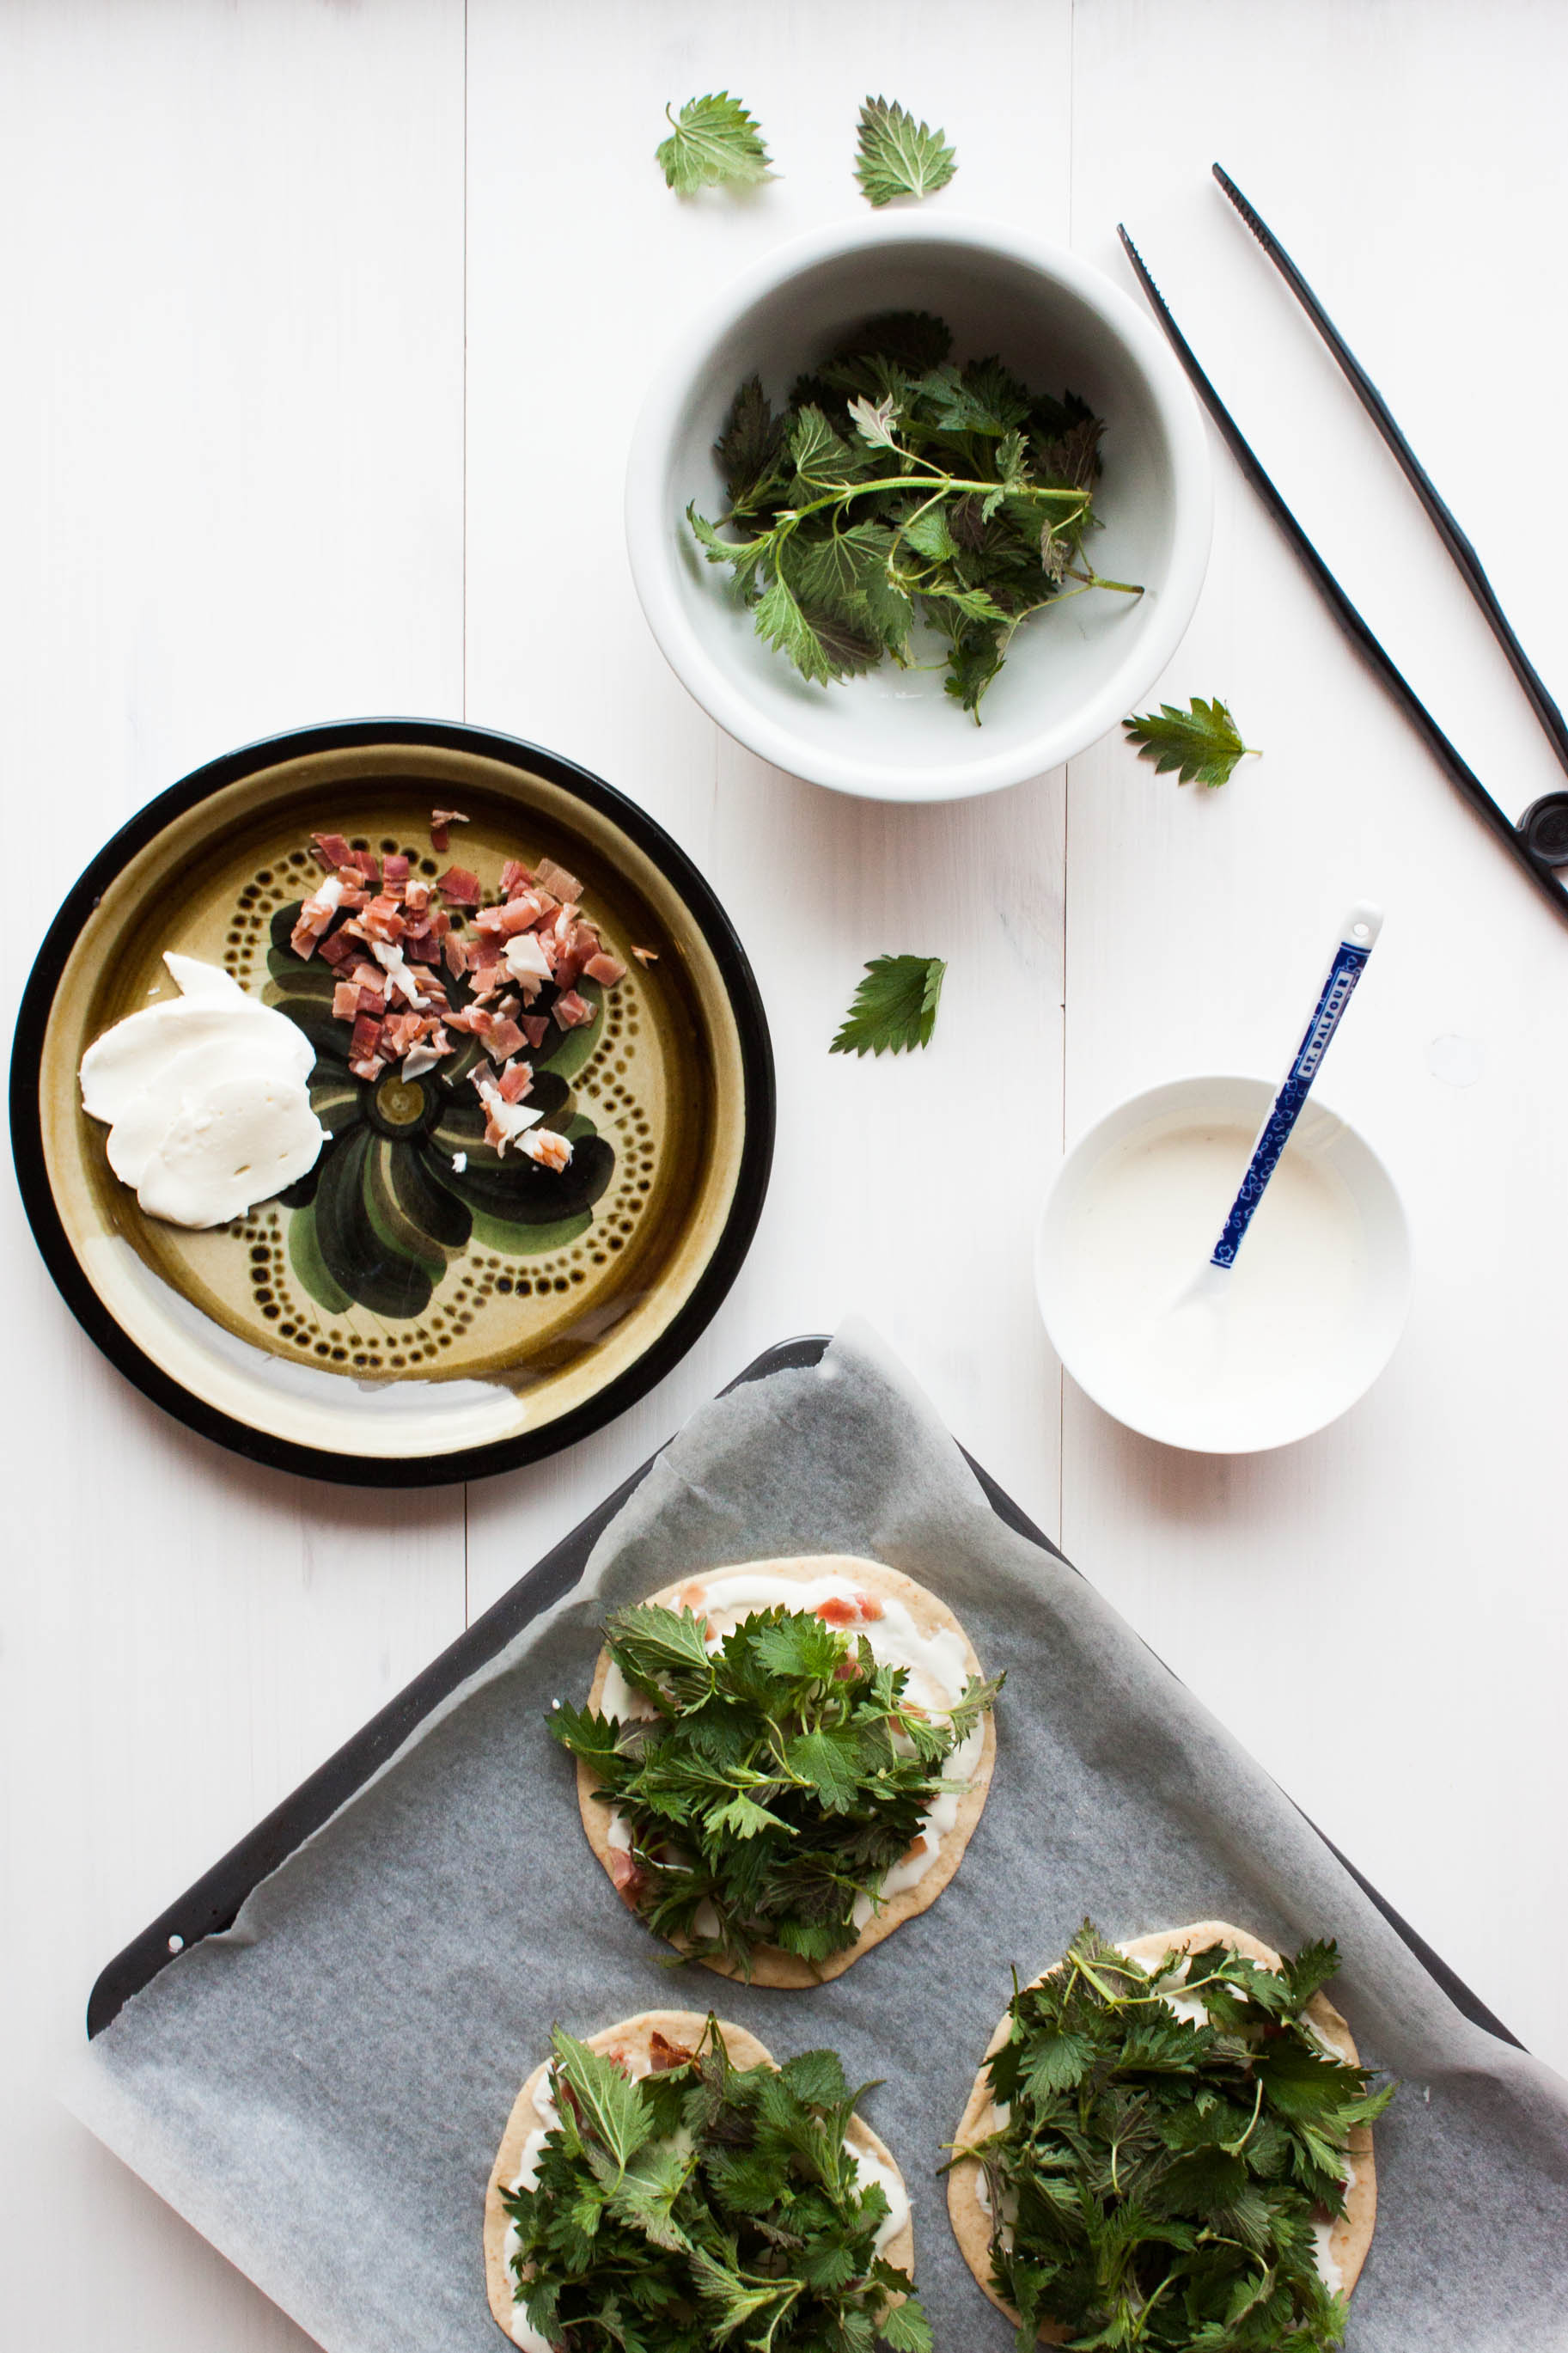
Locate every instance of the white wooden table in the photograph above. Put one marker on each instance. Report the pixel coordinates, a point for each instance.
(310, 310)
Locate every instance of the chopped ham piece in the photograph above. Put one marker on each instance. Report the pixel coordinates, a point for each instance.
(551, 1151)
(483, 952)
(557, 878)
(332, 850)
(395, 868)
(574, 1012)
(515, 1081)
(646, 956)
(365, 860)
(518, 913)
(345, 1002)
(416, 897)
(459, 886)
(604, 969)
(456, 956)
(835, 1611)
(503, 1039)
(514, 877)
(663, 2055)
(628, 1879)
(535, 1028)
(383, 919)
(481, 1076)
(337, 948)
(439, 820)
(491, 920)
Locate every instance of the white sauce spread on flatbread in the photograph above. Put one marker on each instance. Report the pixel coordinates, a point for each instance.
(1188, 2006)
(938, 1669)
(868, 2168)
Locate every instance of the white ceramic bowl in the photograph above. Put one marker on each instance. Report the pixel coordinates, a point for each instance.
(1329, 1273)
(1071, 674)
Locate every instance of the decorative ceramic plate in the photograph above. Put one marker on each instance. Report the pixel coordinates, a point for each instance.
(418, 1309)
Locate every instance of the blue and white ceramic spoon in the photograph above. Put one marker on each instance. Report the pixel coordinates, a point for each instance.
(1209, 1286)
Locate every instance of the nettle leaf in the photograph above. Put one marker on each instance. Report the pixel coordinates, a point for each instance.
(905, 2329)
(842, 567)
(1202, 743)
(822, 460)
(653, 1645)
(874, 420)
(894, 1008)
(930, 534)
(782, 622)
(607, 2105)
(797, 1645)
(817, 2078)
(712, 139)
(752, 445)
(898, 156)
(830, 1761)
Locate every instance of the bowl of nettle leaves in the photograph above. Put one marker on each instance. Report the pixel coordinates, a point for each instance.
(919, 508)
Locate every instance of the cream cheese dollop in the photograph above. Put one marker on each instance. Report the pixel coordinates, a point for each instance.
(206, 1096)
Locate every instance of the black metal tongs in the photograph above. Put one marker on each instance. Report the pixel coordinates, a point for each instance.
(1539, 842)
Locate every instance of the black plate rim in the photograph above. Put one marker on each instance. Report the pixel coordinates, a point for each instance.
(210, 1905)
(757, 1112)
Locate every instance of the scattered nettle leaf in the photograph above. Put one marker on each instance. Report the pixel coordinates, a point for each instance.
(1203, 743)
(780, 1780)
(897, 489)
(712, 139)
(898, 156)
(706, 2204)
(1164, 2174)
(894, 1008)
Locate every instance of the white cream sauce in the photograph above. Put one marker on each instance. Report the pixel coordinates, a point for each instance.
(938, 1669)
(207, 1098)
(1143, 1231)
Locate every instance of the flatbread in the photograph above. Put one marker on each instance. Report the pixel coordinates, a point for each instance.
(634, 2037)
(770, 1967)
(1352, 2233)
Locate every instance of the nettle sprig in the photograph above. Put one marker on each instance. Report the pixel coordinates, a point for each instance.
(1164, 2176)
(706, 2205)
(899, 489)
(782, 1775)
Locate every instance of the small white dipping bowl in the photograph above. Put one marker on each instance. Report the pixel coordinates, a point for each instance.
(1071, 674)
(1320, 1285)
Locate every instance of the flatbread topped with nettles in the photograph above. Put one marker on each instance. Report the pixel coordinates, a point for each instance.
(1168, 2147)
(779, 1763)
(666, 2186)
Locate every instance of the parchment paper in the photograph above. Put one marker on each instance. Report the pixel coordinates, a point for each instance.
(321, 2091)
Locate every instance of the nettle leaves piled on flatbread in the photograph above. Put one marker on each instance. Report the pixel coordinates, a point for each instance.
(677, 2192)
(1170, 2156)
(779, 1777)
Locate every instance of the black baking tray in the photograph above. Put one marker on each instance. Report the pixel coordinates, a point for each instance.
(213, 1903)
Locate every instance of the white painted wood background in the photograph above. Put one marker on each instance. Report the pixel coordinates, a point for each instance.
(313, 315)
